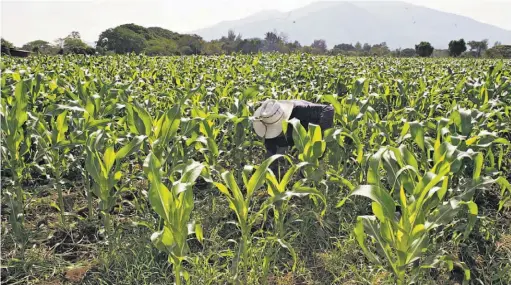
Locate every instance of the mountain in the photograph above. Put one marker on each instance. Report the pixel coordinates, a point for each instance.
(399, 24)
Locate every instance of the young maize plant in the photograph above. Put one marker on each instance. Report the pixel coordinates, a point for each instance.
(207, 136)
(428, 203)
(55, 146)
(311, 147)
(15, 145)
(174, 206)
(240, 204)
(279, 201)
(104, 165)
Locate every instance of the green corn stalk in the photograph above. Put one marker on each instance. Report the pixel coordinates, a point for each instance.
(279, 200)
(15, 145)
(54, 144)
(104, 165)
(345, 153)
(240, 204)
(311, 146)
(82, 127)
(425, 205)
(174, 206)
(159, 131)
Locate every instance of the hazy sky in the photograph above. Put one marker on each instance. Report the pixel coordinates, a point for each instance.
(26, 20)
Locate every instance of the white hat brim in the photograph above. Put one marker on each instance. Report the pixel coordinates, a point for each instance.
(270, 131)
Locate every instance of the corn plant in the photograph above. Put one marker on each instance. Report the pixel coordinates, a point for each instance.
(55, 146)
(311, 147)
(279, 199)
(15, 146)
(174, 206)
(427, 201)
(240, 203)
(104, 165)
(159, 130)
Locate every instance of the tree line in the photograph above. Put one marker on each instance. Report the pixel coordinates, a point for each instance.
(156, 41)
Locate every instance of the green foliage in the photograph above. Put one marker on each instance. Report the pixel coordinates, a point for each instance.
(16, 145)
(104, 164)
(6, 43)
(424, 49)
(6, 47)
(342, 48)
(500, 51)
(131, 38)
(54, 142)
(122, 40)
(408, 52)
(456, 48)
(241, 204)
(427, 202)
(478, 46)
(163, 47)
(319, 47)
(40, 46)
(167, 143)
(76, 46)
(380, 49)
(174, 206)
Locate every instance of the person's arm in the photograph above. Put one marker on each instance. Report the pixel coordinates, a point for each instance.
(271, 147)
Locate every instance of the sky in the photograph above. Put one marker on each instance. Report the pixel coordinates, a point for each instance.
(26, 20)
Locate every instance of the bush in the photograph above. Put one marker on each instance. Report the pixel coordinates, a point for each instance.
(501, 51)
(186, 50)
(424, 49)
(408, 52)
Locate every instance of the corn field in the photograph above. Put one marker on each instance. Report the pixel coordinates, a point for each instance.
(146, 170)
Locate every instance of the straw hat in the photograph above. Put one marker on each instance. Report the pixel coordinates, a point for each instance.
(269, 116)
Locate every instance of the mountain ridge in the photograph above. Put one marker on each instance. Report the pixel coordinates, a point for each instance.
(397, 23)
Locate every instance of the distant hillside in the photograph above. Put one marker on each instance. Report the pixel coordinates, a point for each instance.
(129, 38)
(398, 24)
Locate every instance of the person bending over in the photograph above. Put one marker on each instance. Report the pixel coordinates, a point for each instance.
(268, 118)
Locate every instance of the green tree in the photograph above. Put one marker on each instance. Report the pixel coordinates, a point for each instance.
(272, 42)
(319, 47)
(442, 53)
(380, 49)
(123, 39)
(7, 43)
(231, 43)
(75, 35)
(424, 49)
(212, 48)
(500, 51)
(157, 32)
(161, 47)
(190, 44)
(408, 52)
(250, 46)
(40, 46)
(342, 49)
(6, 46)
(76, 46)
(73, 44)
(457, 47)
(293, 47)
(306, 49)
(478, 46)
